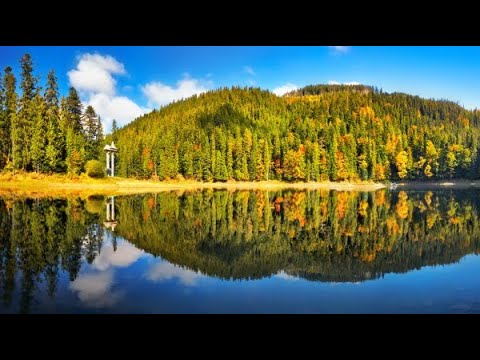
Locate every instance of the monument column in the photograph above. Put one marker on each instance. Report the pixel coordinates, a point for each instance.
(108, 161)
(113, 163)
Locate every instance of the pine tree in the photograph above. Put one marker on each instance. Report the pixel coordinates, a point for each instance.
(266, 160)
(254, 158)
(221, 167)
(114, 130)
(4, 130)
(100, 143)
(229, 159)
(22, 128)
(315, 165)
(206, 160)
(39, 139)
(75, 144)
(93, 134)
(55, 150)
(332, 157)
(73, 111)
(213, 153)
(75, 138)
(10, 110)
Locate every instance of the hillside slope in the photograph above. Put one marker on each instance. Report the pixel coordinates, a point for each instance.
(316, 133)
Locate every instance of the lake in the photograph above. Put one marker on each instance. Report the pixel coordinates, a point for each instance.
(219, 251)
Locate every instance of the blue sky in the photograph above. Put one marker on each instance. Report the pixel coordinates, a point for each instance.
(124, 82)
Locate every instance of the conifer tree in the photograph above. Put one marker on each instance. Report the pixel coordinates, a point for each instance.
(9, 108)
(39, 138)
(73, 111)
(93, 134)
(55, 150)
(22, 128)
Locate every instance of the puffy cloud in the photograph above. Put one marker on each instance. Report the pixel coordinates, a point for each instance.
(166, 271)
(281, 90)
(120, 108)
(160, 94)
(94, 78)
(94, 73)
(95, 289)
(249, 70)
(339, 49)
(334, 82)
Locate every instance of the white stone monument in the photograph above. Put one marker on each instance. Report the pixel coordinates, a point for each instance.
(110, 152)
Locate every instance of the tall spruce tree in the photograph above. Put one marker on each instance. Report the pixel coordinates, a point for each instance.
(93, 133)
(10, 110)
(39, 138)
(4, 130)
(75, 138)
(114, 130)
(22, 128)
(55, 151)
(74, 108)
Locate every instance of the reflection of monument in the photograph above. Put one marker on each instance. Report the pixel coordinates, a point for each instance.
(111, 222)
(110, 152)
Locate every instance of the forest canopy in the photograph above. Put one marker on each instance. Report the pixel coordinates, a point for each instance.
(317, 133)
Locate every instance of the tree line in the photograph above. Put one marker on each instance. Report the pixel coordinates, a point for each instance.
(320, 132)
(39, 131)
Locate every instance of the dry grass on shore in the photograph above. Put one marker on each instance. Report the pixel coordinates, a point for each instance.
(32, 182)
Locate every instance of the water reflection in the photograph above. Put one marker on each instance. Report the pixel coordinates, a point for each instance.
(243, 235)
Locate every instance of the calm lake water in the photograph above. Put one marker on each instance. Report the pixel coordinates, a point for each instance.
(242, 252)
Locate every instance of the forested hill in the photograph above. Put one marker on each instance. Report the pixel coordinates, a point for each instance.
(319, 132)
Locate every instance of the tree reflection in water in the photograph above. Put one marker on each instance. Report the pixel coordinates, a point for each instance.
(316, 235)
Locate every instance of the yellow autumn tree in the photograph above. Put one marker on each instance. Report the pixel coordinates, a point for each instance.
(401, 162)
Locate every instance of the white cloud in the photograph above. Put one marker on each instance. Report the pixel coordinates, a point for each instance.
(94, 289)
(339, 49)
(93, 78)
(160, 94)
(249, 70)
(334, 82)
(166, 271)
(281, 90)
(94, 73)
(125, 255)
(120, 108)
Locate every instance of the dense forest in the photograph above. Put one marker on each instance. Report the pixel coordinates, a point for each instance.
(317, 133)
(39, 131)
(321, 132)
(316, 235)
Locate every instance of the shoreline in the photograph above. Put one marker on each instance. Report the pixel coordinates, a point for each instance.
(444, 184)
(33, 183)
(39, 184)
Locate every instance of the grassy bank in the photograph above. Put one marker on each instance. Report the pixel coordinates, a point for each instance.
(36, 183)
